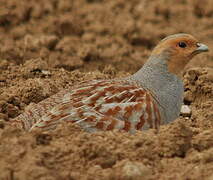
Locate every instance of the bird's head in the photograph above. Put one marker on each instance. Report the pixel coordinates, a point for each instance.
(177, 50)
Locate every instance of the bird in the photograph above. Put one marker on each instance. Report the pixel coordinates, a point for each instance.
(146, 99)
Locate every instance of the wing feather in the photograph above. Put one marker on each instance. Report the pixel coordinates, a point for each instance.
(99, 105)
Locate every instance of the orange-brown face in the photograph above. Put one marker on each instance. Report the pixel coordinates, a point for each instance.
(178, 50)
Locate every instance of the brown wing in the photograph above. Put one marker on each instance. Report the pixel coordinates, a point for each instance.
(103, 105)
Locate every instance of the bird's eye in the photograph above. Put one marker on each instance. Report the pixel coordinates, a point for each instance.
(182, 44)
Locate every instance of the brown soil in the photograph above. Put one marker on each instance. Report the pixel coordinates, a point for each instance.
(48, 45)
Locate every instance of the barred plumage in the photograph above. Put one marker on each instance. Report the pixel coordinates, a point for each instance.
(96, 105)
(150, 97)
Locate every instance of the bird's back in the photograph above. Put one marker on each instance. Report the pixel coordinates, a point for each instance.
(96, 105)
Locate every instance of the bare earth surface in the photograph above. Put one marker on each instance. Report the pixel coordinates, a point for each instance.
(49, 45)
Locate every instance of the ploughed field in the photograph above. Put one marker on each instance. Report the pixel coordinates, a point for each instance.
(49, 45)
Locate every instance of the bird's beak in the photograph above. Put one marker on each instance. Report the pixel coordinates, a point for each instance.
(201, 48)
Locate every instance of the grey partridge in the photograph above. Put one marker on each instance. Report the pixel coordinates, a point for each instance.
(150, 97)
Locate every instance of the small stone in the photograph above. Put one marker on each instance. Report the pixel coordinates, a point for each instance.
(135, 170)
(45, 72)
(185, 111)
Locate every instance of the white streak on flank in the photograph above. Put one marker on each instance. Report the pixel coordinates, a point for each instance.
(101, 100)
(121, 93)
(117, 95)
(55, 111)
(80, 120)
(88, 100)
(127, 101)
(70, 117)
(110, 97)
(135, 90)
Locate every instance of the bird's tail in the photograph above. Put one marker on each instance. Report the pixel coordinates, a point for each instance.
(34, 112)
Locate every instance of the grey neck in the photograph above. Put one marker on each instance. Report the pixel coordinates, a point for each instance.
(154, 74)
(167, 87)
